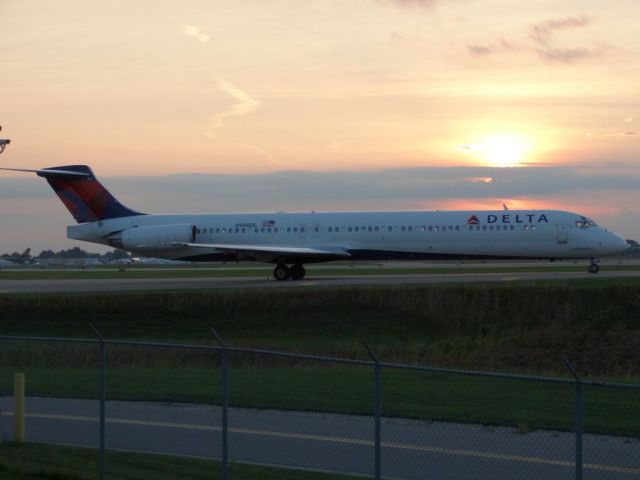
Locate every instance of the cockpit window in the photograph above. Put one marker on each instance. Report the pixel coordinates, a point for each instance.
(585, 222)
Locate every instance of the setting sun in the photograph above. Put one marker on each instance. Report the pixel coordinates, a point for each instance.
(499, 150)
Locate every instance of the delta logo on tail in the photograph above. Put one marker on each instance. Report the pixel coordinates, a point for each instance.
(511, 218)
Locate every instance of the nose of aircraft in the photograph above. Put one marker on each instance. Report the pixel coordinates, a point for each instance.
(614, 243)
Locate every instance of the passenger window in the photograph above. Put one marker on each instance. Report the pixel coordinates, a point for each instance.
(337, 229)
(316, 229)
(457, 228)
(403, 228)
(430, 228)
(275, 230)
(410, 229)
(330, 229)
(491, 227)
(295, 229)
(512, 227)
(350, 229)
(377, 229)
(369, 229)
(269, 230)
(288, 229)
(390, 229)
(302, 229)
(242, 231)
(217, 230)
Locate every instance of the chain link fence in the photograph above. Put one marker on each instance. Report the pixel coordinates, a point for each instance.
(337, 417)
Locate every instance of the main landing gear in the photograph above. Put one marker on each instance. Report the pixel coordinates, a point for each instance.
(295, 272)
(594, 267)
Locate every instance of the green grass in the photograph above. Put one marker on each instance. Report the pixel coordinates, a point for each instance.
(49, 462)
(519, 327)
(349, 390)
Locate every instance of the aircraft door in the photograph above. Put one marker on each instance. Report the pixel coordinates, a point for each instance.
(563, 233)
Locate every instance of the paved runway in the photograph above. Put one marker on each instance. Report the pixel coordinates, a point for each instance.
(124, 284)
(327, 442)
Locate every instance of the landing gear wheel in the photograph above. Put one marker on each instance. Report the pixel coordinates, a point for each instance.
(594, 268)
(298, 272)
(281, 273)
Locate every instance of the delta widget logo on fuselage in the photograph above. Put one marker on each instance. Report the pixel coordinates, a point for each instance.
(510, 218)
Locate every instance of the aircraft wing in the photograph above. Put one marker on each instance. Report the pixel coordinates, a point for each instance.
(274, 250)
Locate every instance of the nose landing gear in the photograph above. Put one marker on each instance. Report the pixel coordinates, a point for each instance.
(594, 267)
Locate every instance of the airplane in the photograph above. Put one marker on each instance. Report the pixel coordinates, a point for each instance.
(18, 258)
(3, 142)
(290, 240)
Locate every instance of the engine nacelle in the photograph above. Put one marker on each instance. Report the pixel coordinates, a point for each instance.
(160, 236)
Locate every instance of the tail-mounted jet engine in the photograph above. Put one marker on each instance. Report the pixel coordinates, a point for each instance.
(153, 237)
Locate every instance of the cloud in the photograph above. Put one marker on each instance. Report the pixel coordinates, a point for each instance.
(500, 46)
(244, 105)
(628, 119)
(411, 3)
(541, 40)
(542, 32)
(193, 31)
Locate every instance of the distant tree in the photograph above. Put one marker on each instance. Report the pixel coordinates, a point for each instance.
(116, 255)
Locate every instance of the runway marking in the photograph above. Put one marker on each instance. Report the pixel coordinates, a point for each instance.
(342, 440)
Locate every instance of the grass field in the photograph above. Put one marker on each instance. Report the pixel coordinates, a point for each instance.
(516, 327)
(49, 462)
(525, 405)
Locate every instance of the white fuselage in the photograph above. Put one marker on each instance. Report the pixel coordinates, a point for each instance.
(367, 235)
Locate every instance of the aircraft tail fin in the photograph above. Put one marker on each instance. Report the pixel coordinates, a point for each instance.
(83, 195)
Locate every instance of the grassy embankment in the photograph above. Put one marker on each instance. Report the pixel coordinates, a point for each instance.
(48, 462)
(517, 328)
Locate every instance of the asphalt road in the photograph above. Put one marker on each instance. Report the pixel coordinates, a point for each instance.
(124, 284)
(327, 442)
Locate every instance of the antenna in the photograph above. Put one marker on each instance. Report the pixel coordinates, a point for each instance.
(3, 142)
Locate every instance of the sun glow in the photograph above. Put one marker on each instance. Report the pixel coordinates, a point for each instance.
(499, 150)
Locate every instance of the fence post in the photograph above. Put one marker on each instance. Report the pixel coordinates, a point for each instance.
(377, 402)
(579, 417)
(102, 368)
(224, 365)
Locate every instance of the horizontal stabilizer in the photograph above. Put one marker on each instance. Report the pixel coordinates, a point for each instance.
(49, 172)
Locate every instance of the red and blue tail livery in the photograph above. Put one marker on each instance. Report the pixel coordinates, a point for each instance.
(83, 195)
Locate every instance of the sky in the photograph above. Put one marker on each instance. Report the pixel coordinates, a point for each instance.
(283, 105)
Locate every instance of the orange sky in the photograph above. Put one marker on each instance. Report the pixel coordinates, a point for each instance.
(158, 87)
